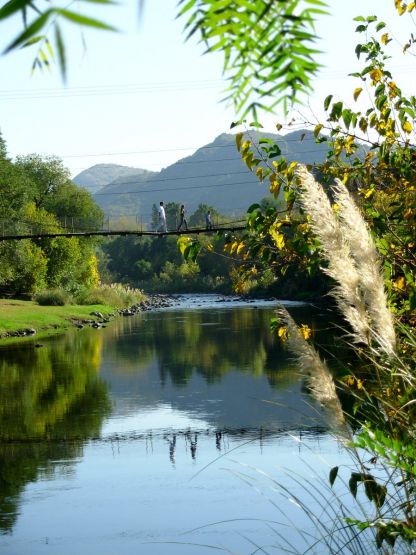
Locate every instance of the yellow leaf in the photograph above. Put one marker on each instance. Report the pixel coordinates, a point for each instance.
(279, 126)
(376, 74)
(349, 144)
(400, 6)
(278, 238)
(357, 93)
(369, 193)
(411, 6)
(400, 283)
(238, 139)
(305, 331)
(384, 38)
(240, 247)
(407, 127)
(248, 159)
(363, 124)
(360, 383)
(233, 247)
(282, 333)
(317, 129)
(183, 242)
(210, 247)
(259, 173)
(303, 228)
(244, 147)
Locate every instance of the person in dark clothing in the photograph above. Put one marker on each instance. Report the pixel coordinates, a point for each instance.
(182, 220)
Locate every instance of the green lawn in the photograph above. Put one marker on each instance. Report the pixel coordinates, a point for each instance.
(16, 315)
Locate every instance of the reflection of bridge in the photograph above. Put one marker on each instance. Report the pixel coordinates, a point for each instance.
(37, 231)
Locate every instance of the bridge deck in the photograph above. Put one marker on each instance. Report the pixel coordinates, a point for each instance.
(108, 233)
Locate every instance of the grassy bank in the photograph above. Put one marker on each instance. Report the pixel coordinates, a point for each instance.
(18, 315)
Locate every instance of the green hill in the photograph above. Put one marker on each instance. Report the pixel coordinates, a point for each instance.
(213, 175)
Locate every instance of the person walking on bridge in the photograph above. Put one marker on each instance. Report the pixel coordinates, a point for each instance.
(208, 220)
(182, 220)
(162, 218)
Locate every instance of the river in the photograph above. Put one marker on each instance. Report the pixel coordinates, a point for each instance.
(179, 431)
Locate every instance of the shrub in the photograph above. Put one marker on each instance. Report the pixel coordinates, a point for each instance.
(116, 295)
(53, 297)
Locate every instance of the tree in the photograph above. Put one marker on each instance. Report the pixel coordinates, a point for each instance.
(198, 218)
(172, 214)
(47, 173)
(74, 206)
(3, 148)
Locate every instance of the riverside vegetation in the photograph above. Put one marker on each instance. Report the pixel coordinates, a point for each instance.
(357, 226)
(365, 246)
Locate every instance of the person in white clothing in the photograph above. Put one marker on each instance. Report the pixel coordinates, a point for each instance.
(162, 218)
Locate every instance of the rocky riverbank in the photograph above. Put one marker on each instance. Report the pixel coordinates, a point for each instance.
(21, 320)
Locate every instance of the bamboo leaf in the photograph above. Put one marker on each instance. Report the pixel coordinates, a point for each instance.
(30, 31)
(12, 7)
(84, 20)
(333, 474)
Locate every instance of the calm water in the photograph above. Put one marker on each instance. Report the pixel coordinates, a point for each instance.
(165, 433)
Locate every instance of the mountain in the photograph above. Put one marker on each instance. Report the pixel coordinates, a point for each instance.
(98, 176)
(214, 175)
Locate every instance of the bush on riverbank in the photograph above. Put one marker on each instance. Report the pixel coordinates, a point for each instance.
(53, 297)
(115, 295)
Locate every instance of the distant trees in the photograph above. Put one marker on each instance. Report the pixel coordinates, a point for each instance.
(198, 218)
(3, 148)
(157, 264)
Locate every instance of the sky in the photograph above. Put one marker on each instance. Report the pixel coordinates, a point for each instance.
(143, 97)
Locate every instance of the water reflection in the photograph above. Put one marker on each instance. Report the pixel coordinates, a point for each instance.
(218, 368)
(203, 377)
(51, 401)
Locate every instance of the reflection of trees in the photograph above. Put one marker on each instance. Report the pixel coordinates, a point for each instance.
(207, 342)
(204, 342)
(51, 401)
(210, 343)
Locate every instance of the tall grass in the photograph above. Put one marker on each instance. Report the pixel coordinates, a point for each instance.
(382, 425)
(115, 295)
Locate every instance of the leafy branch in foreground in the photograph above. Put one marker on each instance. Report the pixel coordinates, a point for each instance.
(267, 45)
(268, 50)
(46, 21)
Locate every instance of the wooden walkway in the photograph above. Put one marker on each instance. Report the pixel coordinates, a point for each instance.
(123, 233)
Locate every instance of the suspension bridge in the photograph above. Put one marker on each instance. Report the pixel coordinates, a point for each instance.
(9, 231)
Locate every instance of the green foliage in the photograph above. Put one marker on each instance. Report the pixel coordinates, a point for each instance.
(198, 218)
(267, 47)
(47, 21)
(23, 268)
(74, 207)
(143, 262)
(36, 195)
(46, 173)
(382, 180)
(53, 297)
(116, 294)
(3, 148)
